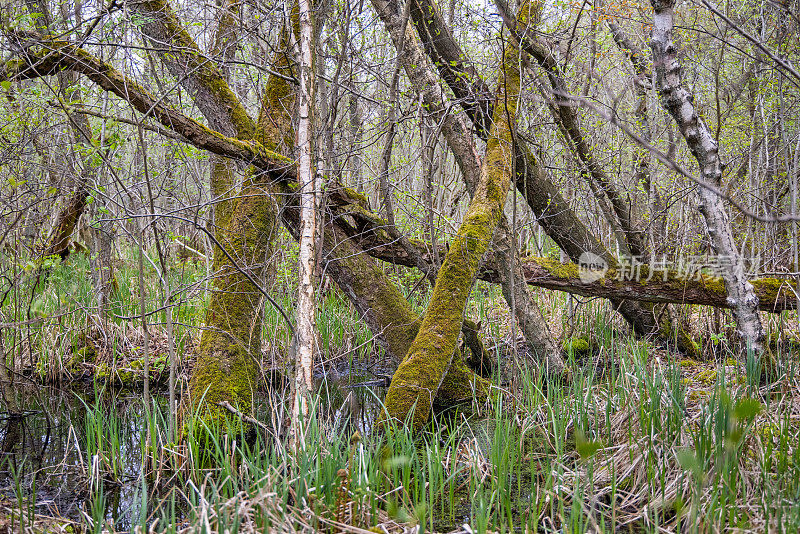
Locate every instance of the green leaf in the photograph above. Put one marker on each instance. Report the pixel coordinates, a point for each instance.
(6, 85)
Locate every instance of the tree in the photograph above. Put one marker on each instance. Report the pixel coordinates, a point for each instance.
(615, 157)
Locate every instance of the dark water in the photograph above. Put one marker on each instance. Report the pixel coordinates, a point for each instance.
(46, 436)
(44, 457)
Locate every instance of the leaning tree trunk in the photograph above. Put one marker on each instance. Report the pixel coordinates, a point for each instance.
(552, 212)
(253, 144)
(274, 131)
(458, 136)
(71, 212)
(678, 101)
(419, 377)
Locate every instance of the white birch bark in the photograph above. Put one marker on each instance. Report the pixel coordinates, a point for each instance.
(678, 101)
(306, 302)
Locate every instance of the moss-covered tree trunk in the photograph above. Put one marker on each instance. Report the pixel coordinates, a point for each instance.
(459, 139)
(71, 212)
(417, 380)
(377, 299)
(227, 365)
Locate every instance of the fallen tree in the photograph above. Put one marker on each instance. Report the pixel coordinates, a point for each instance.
(638, 282)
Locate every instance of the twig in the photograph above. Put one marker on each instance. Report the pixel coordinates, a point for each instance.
(244, 417)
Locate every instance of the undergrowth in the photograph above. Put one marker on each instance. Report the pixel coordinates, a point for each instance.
(640, 440)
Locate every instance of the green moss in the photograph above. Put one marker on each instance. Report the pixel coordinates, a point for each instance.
(133, 372)
(530, 13)
(461, 385)
(707, 377)
(225, 372)
(713, 283)
(579, 346)
(420, 375)
(770, 289)
(359, 199)
(187, 55)
(227, 363)
(274, 122)
(556, 268)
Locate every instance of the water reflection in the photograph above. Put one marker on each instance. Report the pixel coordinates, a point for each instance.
(49, 438)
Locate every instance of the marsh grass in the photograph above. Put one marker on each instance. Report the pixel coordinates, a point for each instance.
(640, 440)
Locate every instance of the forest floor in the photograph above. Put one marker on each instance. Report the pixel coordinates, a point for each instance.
(641, 440)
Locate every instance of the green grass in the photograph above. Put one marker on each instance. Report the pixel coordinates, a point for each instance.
(634, 449)
(639, 441)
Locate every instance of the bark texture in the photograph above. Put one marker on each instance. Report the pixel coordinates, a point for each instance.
(459, 139)
(417, 380)
(305, 329)
(678, 101)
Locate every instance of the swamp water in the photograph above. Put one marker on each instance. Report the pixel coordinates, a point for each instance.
(50, 438)
(58, 446)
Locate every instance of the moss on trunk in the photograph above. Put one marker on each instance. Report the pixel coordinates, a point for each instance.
(461, 385)
(420, 375)
(228, 361)
(376, 298)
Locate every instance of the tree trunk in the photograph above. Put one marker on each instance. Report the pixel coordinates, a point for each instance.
(228, 359)
(678, 101)
(459, 140)
(552, 212)
(640, 282)
(417, 380)
(305, 329)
